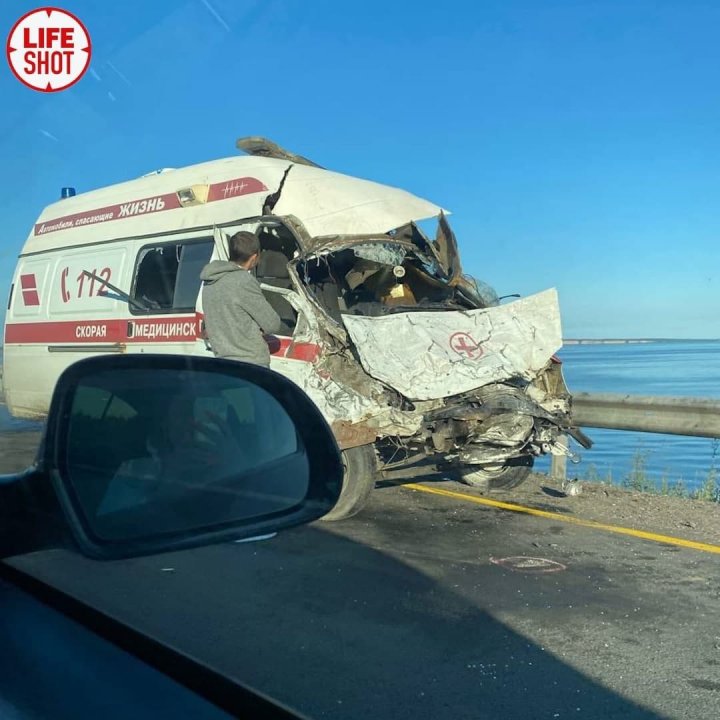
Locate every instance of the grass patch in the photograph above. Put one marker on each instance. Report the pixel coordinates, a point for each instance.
(637, 478)
(640, 480)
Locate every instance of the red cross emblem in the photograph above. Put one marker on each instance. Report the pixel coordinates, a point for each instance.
(463, 344)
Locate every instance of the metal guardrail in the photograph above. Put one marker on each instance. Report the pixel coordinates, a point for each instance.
(693, 417)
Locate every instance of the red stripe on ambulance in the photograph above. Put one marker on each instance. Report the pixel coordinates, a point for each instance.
(145, 206)
(171, 329)
(65, 332)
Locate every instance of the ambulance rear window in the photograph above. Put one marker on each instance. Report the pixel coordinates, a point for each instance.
(167, 276)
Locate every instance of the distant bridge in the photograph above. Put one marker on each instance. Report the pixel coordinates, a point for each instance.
(634, 341)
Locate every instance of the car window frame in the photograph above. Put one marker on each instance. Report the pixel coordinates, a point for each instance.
(229, 695)
(163, 241)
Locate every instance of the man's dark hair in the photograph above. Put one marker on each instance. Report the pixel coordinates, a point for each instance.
(242, 246)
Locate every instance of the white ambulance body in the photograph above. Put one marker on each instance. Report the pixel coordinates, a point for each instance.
(405, 355)
(122, 234)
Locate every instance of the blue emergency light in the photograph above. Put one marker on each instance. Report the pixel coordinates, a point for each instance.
(67, 192)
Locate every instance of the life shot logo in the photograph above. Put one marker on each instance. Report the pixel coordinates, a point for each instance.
(48, 49)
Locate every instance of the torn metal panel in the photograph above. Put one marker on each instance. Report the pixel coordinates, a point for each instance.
(314, 310)
(429, 355)
(484, 455)
(341, 403)
(550, 392)
(553, 404)
(505, 429)
(349, 435)
(392, 421)
(447, 250)
(502, 398)
(307, 322)
(337, 402)
(271, 200)
(347, 395)
(262, 147)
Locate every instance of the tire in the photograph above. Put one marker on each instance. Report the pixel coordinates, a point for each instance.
(510, 475)
(361, 472)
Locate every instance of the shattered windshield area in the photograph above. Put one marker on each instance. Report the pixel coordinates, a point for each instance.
(378, 277)
(484, 291)
(358, 283)
(382, 253)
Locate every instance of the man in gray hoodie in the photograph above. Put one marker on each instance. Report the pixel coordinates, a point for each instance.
(237, 315)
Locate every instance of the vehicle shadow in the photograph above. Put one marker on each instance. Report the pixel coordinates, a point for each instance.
(338, 628)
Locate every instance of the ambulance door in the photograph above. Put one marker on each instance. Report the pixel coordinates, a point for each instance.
(219, 252)
(295, 348)
(278, 344)
(294, 356)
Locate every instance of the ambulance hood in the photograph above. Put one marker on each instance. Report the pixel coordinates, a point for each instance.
(432, 355)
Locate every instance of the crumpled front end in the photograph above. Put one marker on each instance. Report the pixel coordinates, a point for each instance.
(425, 361)
(500, 421)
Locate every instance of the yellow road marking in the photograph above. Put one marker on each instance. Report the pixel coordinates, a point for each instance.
(643, 534)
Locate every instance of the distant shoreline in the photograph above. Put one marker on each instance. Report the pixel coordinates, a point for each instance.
(635, 341)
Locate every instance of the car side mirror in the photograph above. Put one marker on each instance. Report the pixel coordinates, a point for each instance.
(147, 453)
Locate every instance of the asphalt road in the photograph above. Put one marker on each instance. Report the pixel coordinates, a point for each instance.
(404, 612)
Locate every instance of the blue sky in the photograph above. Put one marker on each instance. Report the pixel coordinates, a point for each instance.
(577, 143)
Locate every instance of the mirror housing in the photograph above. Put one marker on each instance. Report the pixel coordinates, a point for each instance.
(226, 480)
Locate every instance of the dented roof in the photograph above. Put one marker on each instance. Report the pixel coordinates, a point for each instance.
(226, 190)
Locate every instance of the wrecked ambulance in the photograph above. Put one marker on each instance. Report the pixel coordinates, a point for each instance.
(411, 361)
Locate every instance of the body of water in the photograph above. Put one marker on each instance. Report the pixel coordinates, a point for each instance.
(681, 369)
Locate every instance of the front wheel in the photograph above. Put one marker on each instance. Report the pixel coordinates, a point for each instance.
(361, 472)
(497, 477)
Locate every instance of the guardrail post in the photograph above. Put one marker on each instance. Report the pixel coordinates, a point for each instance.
(558, 464)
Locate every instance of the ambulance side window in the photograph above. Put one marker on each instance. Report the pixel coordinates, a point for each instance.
(167, 276)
